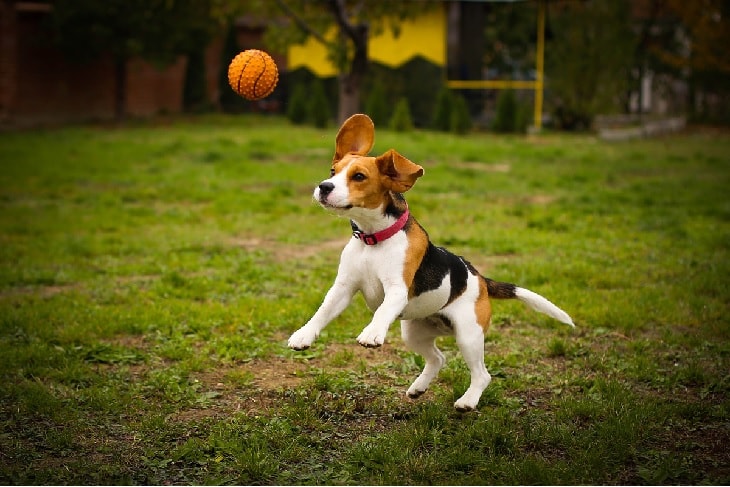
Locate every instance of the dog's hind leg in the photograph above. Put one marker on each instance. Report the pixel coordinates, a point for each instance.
(420, 336)
(470, 339)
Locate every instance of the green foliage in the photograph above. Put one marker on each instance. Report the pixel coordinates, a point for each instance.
(308, 104)
(451, 113)
(297, 110)
(460, 120)
(441, 119)
(510, 38)
(511, 114)
(377, 106)
(157, 30)
(421, 82)
(588, 70)
(505, 119)
(418, 80)
(150, 275)
(318, 107)
(401, 121)
(319, 17)
(348, 50)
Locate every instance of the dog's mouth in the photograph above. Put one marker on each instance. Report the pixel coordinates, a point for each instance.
(330, 206)
(323, 200)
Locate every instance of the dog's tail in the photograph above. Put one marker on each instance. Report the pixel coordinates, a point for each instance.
(504, 290)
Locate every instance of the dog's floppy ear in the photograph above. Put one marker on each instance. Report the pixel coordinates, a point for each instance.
(356, 135)
(399, 174)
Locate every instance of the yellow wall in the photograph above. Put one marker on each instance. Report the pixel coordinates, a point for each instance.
(424, 36)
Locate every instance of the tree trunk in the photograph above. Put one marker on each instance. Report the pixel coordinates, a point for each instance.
(120, 88)
(349, 97)
(351, 83)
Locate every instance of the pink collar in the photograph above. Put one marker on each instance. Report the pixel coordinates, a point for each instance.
(374, 238)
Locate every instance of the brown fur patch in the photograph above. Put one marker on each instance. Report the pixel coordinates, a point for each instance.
(417, 245)
(483, 307)
(370, 192)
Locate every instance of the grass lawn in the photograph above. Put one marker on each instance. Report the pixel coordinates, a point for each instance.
(150, 276)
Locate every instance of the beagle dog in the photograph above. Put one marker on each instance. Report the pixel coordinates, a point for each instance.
(400, 273)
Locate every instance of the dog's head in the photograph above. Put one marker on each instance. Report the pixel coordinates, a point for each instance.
(359, 181)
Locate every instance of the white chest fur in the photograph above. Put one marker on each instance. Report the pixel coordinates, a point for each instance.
(377, 268)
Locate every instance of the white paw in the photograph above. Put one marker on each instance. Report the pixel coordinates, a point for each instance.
(464, 406)
(415, 393)
(470, 399)
(371, 337)
(419, 386)
(302, 338)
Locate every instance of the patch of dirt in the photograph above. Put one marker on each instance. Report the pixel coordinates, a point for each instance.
(40, 291)
(289, 251)
(484, 166)
(266, 379)
(540, 199)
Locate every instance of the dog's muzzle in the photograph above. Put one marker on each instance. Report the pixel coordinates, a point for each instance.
(322, 193)
(325, 188)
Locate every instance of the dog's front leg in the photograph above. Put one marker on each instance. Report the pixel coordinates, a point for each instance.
(396, 299)
(335, 302)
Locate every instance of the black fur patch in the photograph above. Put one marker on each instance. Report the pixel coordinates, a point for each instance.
(397, 205)
(436, 263)
(500, 290)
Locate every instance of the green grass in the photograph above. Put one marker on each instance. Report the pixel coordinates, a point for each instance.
(150, 276)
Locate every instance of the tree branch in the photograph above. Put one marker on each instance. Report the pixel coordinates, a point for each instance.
(338, 10)
(355, 33)
(301, 23)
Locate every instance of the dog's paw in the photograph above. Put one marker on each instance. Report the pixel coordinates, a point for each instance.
(463, 408)
(470, 399)
(302, 339)
(371, 337)
(415, 393)
(465, 404)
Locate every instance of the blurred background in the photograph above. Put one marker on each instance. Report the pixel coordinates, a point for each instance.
(512, 66)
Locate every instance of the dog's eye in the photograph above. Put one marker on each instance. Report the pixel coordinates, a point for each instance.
(358, 176)
(332, 172)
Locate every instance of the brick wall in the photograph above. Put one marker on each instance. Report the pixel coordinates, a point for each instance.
(48, 87)
(38, 85)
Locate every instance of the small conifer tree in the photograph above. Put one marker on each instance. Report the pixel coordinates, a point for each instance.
(318, 108)
(505, 119)
(401, 121)
(460, 119)
(442, 111)
(296, 110)
(376, 106)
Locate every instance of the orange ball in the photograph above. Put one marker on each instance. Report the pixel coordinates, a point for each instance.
(253, 74)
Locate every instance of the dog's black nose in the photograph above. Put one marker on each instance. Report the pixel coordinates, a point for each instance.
(325, 188)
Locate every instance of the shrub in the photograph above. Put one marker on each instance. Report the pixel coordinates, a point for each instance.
(297, 109)
(505, 119)
(401, 121)
(459, 119)
(318, 108)
(376, 105)
(524, 117)
(419, 80)
(442, 111)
